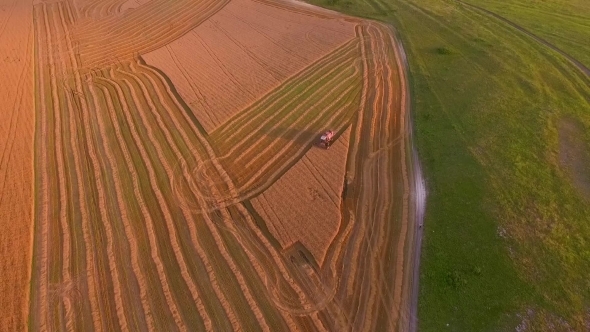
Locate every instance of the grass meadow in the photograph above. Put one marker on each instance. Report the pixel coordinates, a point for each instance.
(507, 230)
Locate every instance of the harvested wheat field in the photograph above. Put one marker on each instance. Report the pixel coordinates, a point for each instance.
(177, 181)
(17, 120)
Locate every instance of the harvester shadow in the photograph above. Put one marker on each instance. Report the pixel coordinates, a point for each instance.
(303, 137)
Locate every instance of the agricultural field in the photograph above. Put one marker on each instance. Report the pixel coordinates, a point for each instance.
(162, 168)
(17, 123)
(502, 125)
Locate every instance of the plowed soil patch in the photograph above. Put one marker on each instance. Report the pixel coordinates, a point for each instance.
(243, 52)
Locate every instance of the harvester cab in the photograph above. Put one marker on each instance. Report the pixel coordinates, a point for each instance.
(327, 139)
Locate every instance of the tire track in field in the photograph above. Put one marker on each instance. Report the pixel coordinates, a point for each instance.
(243, 122)
(238, 276)
(155, 248)
(63, 200)
(42, 11)
(162, 126)
(542, 41)
(229, 259)
(257, 175)
(5, 156)
(245, 145)
(195, 89)
(126, 225)
(5, 23)
(74, 143)
(146, 28)
(227, 179)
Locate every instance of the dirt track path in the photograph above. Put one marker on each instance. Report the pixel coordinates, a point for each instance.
(573, 60)
(112, 233)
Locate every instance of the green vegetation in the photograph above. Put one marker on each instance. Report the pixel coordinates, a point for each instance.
(564, 23)
(507, 235)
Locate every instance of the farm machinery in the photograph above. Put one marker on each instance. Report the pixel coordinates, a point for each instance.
(327, 139)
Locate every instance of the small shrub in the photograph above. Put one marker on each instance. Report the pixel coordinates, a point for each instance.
(443, 50)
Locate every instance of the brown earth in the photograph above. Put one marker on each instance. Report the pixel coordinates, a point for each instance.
(145, 220)
(16, 160)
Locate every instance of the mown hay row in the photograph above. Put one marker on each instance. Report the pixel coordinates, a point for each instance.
(243, 52)
(303, 205)
(374, 194)
(119, 247)
(299, 85)
(144, 29)
(118, 114)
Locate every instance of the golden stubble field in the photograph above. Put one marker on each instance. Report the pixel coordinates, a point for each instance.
(160, 168)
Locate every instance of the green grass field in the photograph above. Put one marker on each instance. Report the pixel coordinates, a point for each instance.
(507, 234)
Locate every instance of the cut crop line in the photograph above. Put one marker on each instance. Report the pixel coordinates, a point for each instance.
(215, 162)
(133, 39)
(43, 217)
(249, 192)
(342, 77)
(74, 143)
(134, 246)
(173, 235)
(380, 200)
(360, 120)
(256, 175)
(101, 198)
(207, 219)
(155, 250)
(297, 79)
(384, 196)
(225, 253)
(252, 130)
(193, 86)
(63, 200)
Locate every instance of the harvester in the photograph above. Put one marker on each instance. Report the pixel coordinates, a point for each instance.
(327, 139)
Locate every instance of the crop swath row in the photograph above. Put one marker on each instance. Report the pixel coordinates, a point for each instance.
(373, 233)
(262, 142)
(113, 38)
(114, 248)
(117, 247)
